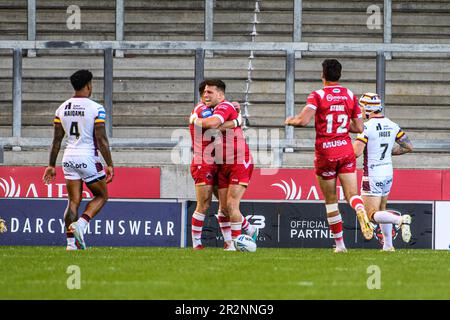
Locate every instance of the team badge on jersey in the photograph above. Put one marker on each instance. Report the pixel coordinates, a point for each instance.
(206, 113)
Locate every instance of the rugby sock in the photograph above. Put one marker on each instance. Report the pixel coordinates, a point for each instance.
(386, 230)
(197, 226)
(70, 239)
(356, 202)
(335, 224)
(225, 225)
(247, 227)
(84, 221)
(236, 229)
(387, 217)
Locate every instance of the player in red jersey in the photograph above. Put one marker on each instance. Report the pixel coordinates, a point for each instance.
(232, 155)
(204, 172)
(336, 113)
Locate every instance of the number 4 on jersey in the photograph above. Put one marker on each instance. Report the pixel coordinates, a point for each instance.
(74, 130)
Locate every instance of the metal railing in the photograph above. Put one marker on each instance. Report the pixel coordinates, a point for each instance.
(290, 48)
(292, 51)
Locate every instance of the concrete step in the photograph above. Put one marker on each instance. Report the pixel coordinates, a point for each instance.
(414, 160)
(173, 157)
(167, 132)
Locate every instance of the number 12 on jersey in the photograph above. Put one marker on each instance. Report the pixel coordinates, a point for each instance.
(341, 118)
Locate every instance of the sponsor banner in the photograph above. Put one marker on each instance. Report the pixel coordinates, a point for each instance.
(304, 225)
(446, 185)
(301, 184)
(119, 223)
(261, 214)
(26, 182)
(442, 226)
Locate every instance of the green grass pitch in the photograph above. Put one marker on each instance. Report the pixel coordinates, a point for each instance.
(183, 274)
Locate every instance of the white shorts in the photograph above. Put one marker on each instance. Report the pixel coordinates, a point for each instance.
(86, 168)
(376, 186)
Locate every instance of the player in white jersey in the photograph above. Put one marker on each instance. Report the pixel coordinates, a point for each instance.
(378, 143)
(84, 122)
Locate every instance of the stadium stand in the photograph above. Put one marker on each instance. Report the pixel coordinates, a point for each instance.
(153, 90)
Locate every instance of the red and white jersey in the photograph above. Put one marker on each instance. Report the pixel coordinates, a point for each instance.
(235, 148)
(335, 106)
(200, 140)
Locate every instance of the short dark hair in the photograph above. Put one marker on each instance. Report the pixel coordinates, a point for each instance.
(80, 79)
(215, 82)
(201, 87)
(331, 69)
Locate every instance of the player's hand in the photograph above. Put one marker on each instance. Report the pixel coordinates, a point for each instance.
(49, 175)
(238, 121)
(290, 121)
(193, 117)
(3, 226)
(237, 106)
(109, 170)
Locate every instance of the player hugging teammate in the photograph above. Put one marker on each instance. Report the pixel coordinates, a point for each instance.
(222, 163)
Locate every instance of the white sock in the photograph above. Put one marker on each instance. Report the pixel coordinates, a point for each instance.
(340, 243)
(386, 230)
(71, 242)
(387, 217)
(83, 224)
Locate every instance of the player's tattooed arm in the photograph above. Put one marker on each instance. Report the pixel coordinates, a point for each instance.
(103, 143)
(404, 146)
(50, 171)
(103, 146)
(58, 135)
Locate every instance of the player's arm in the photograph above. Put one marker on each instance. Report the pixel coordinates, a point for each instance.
(356, 119)
(358, 147)
(221, 114)
(232, 123)
(302, 119)
(403, 146)
(208, 123)
(58, 135)
(103, 146)
(356, 125)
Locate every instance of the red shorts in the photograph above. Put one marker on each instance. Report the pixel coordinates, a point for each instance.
(234, 174)
(329, 168)
(205, 174)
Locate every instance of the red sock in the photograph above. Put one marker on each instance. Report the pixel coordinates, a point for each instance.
(356, 202)
(225, 226)
(236, 229)
(197, 226)
(245, 223)
(335, 224)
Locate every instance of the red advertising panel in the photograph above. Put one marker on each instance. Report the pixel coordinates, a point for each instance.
(446, 185)
(301, 184)
(26, 182)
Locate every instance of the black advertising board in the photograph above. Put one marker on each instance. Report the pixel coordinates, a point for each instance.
(304, 225)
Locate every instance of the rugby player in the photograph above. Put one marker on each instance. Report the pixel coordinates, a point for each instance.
(336, 113)
(83, 120)
(380, 140)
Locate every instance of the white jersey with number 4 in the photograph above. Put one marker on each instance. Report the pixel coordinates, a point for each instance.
(380, 135)
(78, 116)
